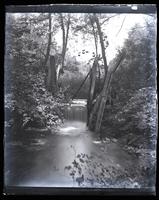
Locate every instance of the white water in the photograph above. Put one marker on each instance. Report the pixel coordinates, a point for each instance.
(76, 110)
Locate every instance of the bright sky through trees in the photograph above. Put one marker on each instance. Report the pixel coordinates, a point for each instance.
(116, 36)
(116, 29)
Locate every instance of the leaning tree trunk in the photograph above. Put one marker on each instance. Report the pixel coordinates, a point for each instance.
(98, 99)
(104, 95)
(51, 79)
(93, 112)
(100, 102)
(103, 99)
(91, 89)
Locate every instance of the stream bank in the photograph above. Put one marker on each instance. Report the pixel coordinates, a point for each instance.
(71, 156)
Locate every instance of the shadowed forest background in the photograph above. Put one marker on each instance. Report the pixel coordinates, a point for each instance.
(42, 77)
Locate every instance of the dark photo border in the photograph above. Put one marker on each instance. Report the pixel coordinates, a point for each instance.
(79, 8)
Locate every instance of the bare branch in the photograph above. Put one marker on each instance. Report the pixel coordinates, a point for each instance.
(109, 18)
(74, 96)
(118, 63)
(121, 26)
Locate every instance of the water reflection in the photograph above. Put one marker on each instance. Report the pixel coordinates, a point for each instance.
(43, 162)
(47, 167)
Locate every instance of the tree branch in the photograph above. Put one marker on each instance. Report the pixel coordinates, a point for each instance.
(95, 36)
(81, 84)
(108, 19)
(102, 43)
(118, 63)
(121, 26)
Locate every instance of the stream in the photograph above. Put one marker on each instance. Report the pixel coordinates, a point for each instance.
(71, 157)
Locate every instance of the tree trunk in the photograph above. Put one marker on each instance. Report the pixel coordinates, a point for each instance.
(99, 98)
(65, 34)
(104, 94)
(93, 112)
(95, 35)
(102, 98)
(99, 106)
(66, 40)
(49, 43)
(102, 43)
(91, 89)
(51, 80)
(63, 39)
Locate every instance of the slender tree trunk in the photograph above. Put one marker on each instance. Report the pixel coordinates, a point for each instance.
(49, 43)
(65, 34)
(94, 35)
(99, 100)
(96, 47)
(66, 40)
(63, 39)
(102, 97)
(102, 43)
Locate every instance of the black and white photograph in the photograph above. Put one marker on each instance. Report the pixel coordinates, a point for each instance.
(80, 99)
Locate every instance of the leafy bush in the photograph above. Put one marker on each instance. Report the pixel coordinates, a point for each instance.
(27, 102)
(30, 100)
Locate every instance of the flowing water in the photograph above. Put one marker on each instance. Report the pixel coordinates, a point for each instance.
(68, 158)
(76, 110)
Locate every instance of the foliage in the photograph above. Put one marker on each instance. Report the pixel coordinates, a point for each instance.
(133, 113)
(141, 109)
(26, 38)
(71, 80)
(138, 68)
(26, 46)
(30, 99)
(27, 102)
(99, 175)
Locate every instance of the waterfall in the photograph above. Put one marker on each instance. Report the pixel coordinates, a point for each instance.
(76, 111)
